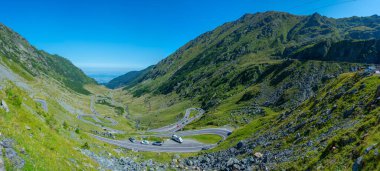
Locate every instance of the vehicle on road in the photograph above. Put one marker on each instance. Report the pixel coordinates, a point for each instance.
(157, 143)
(229, 133)
(177, 138)
(205, 148)
(145, 142)
(132, 140)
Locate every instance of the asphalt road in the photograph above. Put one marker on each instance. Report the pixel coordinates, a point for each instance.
(217, 131)
(166, 131)
(185, 148)
(95, 116)
(111, 130)
(170, 146)
(181, 123)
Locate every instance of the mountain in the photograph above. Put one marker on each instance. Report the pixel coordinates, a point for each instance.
(41, 95)
(296, 88)
(247, 51)
(287, 92)
(32, 62)
(127, 79)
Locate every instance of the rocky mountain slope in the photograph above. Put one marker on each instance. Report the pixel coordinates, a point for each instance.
(337, 129)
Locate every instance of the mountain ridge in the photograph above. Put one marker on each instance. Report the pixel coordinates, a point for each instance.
(36, 62)
(269, 37)
(289, 92)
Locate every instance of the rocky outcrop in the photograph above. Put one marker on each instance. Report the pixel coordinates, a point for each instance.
(124, 163)
(11, 154)
(4, 106)
(366, 51)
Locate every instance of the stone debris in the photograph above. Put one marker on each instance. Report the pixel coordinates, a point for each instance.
(123, 163)
(11, 154)
(2, 167)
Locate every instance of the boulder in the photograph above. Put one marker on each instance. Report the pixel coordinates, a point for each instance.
(239, 144)
(4, 106)
(236, 167)
(368, 149)
(232, 161)
(27, 127)
(189, 162)
(176, 156)
(258, 155)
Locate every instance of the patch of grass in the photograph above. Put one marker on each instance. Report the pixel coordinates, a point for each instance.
(205, 138)
(154, 112)
(248, 130)
(17, 69)
(193, 113)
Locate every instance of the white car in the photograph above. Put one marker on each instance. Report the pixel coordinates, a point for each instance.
(145, 142)
(177, 138)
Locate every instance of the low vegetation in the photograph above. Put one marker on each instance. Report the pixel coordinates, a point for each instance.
(205, 138)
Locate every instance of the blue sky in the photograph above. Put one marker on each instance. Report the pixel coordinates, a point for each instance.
(116, 36)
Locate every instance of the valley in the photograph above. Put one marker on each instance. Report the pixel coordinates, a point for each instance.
(269, 91)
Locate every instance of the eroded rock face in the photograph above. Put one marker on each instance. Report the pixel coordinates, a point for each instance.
(347, 51)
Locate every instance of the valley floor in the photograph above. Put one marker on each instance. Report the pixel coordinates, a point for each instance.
(46, 121)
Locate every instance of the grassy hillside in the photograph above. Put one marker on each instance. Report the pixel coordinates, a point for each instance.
(276, 78)
(35, 135)
(32, 62)
(254, 52)
(45, 94)
(129, 79)
(292, 87)
(329, 131)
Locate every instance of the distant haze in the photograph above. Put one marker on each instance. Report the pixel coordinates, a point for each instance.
(104, 75)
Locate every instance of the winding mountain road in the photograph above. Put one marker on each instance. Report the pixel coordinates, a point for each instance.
(168, 131)
(181, 123)
(170, 146)
(95, 116)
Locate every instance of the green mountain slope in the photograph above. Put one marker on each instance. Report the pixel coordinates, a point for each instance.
(295, 89)
(293, 86)
(262, 38)
(36, 63)
(40, 98)
(337, 129)
(129, 79)
(265, 59)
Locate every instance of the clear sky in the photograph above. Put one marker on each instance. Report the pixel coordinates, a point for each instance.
(115, 36)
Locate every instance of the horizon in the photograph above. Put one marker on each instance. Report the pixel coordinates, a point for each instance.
(115, 38)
